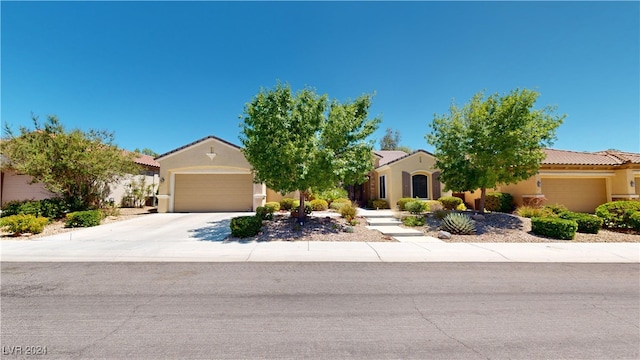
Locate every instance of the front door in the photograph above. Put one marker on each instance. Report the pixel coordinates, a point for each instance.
(420, 186)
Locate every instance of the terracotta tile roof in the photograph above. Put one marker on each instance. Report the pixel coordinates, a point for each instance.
(387, 156)
(625, 157)
(565, 157)
(146, 160)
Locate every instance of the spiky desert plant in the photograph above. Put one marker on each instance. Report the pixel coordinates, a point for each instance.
(460, 224)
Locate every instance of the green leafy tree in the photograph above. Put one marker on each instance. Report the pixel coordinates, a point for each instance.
(78, 166)
(391, 141)
(492, 140)
(303, 141)
(146, 151)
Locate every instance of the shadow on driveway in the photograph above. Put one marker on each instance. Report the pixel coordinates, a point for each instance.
(218, 231)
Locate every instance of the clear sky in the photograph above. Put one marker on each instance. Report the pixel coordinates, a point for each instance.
(163, 74)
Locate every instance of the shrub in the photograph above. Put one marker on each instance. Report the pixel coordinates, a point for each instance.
(402, 203)
(319, 205)
(341, 200)
(54, 208)
(554, 227)
(416, 206)
(337, 205)
(348, 211)
(461, 207)
(587, 223)
(450, 202)
(532, 211)
(498, 201)
(329, 195)
(83, 218)
(245, 226)
(617, 214)
(380, 204)
(296, 206)
(441, 213)
(634, 220)
(413, 220)
(264, 213)
(273, 205)
(457, 223)
(287, 203)
(23, 223)
(555, 209)
(433, 205)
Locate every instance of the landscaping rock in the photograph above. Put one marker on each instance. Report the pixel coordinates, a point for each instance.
(444, 235)
(477, 217)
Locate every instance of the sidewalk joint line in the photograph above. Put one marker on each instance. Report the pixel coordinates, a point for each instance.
(491, 251)
(375, 251)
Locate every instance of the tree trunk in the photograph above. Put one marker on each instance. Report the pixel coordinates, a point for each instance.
(301, 213)
(483, 193)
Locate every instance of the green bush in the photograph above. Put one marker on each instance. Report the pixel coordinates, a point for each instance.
(450, 202)
(433, 205)
(245, 226)
(287, 203)
(329, 195)
(54, 208)
(555, 209)
(319, 205)
(380, 204)
(273, 205)
(532, 211)
(413, 220)
(617, 214)
(341, 200)
(634, 220)
(264, 213)
(83, 218)
(23, 223)
(441, 214)
(296, 206)
(402, 202)
(348, 211)
(416, 206)
(498, 201)
(587, 223)
(337, 205)
(554, 227)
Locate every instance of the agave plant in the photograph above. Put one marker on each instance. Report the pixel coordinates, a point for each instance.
(460, 224)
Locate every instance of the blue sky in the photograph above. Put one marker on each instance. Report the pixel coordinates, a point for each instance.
(163, 74)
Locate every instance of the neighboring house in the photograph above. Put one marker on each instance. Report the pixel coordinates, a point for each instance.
(578, 180)
(16, 187)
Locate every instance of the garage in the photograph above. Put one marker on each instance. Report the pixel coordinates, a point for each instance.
(213, 192)
(581, 195)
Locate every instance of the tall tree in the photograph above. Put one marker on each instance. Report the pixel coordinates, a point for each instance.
(302, 141)
(492, 140)
(79, 166)
(390, 140)
(146, 151)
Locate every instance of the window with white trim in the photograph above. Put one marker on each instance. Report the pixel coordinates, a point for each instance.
(383, 187)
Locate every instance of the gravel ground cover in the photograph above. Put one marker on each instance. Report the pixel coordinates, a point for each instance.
(501, 228)
(496, 227)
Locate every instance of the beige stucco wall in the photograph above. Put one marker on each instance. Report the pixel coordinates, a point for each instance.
(273, 195)
(417, 163)
(18, 187)
(194, 160)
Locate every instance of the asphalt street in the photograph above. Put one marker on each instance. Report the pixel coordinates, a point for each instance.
(321, 310)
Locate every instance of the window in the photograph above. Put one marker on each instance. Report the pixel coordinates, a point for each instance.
(420, 189)
(383, 187)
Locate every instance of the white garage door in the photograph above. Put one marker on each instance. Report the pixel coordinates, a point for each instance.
(582, 195)
(208, 193)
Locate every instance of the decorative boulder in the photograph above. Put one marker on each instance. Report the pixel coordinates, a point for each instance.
(444, 235)
(478, 217)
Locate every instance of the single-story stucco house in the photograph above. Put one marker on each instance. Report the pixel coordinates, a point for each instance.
(17, 187)
(212, 174)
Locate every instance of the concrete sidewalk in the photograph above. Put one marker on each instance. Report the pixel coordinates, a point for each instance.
(53, 250)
